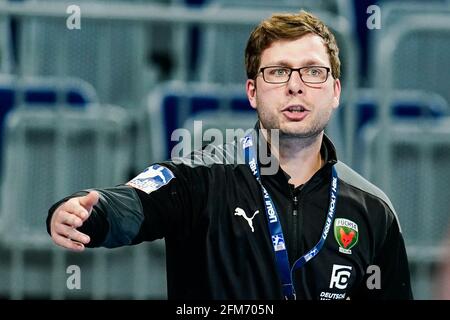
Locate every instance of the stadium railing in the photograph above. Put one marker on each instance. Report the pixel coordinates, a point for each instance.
(50, 153)
(419, 181)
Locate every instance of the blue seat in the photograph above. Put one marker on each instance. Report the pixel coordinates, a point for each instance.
(64, 150)
(37, 91)
(176, 105)
(198, 105)
(406, 105)
(172, 116)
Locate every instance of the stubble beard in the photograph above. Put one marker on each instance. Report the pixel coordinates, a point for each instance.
(271, 122)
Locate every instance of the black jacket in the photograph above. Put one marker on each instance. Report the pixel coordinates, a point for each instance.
(214, 252)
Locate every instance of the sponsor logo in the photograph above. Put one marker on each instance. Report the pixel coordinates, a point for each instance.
(152, 178)
(278, 242)
(311, 254)
(331, 210)
(246, 142)
(340, 276)
(332, 296)
(252, 164)
(269, 206)
(240, 212)
(346, 234)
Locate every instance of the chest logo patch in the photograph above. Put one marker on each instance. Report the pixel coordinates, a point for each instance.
(240, 212)
(340, 276)
(346, 234)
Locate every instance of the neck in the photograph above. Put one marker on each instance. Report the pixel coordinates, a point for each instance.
(300, 158)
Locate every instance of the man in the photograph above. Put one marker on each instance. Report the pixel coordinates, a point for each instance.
(312, 229)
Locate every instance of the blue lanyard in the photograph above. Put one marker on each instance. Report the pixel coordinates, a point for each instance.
(279, 247)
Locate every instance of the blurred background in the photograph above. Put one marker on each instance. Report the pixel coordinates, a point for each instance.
(93, 106)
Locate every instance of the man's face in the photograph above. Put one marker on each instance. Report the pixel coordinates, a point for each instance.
(297, 109)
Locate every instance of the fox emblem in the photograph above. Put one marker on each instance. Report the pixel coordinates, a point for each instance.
(346, 238)
(346, 234)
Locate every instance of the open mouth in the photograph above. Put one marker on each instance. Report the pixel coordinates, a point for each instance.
(295, 109)
(295, 112)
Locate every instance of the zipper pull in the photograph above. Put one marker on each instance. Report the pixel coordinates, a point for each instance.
(294, 212)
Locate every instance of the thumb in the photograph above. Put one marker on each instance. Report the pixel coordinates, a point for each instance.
(89, 200)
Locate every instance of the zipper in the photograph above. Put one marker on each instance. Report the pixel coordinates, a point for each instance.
(295, 218)
(295, 212)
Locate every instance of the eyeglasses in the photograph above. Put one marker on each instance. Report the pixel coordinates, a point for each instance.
(310, 74)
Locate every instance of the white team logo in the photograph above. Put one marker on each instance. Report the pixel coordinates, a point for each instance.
(340, 276)
(240, 212)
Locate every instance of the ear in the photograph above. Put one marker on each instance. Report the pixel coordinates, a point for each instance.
(337, 93)
(250, 88)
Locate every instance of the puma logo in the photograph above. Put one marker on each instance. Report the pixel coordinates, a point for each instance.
(240, 212)
(346, 238)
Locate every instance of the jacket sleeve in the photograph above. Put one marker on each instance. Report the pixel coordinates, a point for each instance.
(391, 265)
(126, 215)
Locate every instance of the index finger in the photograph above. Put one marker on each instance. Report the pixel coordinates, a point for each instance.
(73, 207)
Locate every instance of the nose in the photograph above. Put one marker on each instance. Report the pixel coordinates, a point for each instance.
(295, 83)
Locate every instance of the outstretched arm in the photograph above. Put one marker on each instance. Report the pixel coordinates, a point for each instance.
(110, 217)
(146, 208)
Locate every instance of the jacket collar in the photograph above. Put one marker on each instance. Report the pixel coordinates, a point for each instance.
(327, 149)
(280, 178)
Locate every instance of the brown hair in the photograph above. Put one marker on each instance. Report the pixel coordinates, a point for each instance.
(288, 27)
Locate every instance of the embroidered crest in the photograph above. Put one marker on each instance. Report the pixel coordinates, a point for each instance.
(346, 234)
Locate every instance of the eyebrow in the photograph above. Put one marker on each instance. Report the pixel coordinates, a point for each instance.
(310, 62)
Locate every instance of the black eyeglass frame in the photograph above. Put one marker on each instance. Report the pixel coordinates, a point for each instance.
(261, 70)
